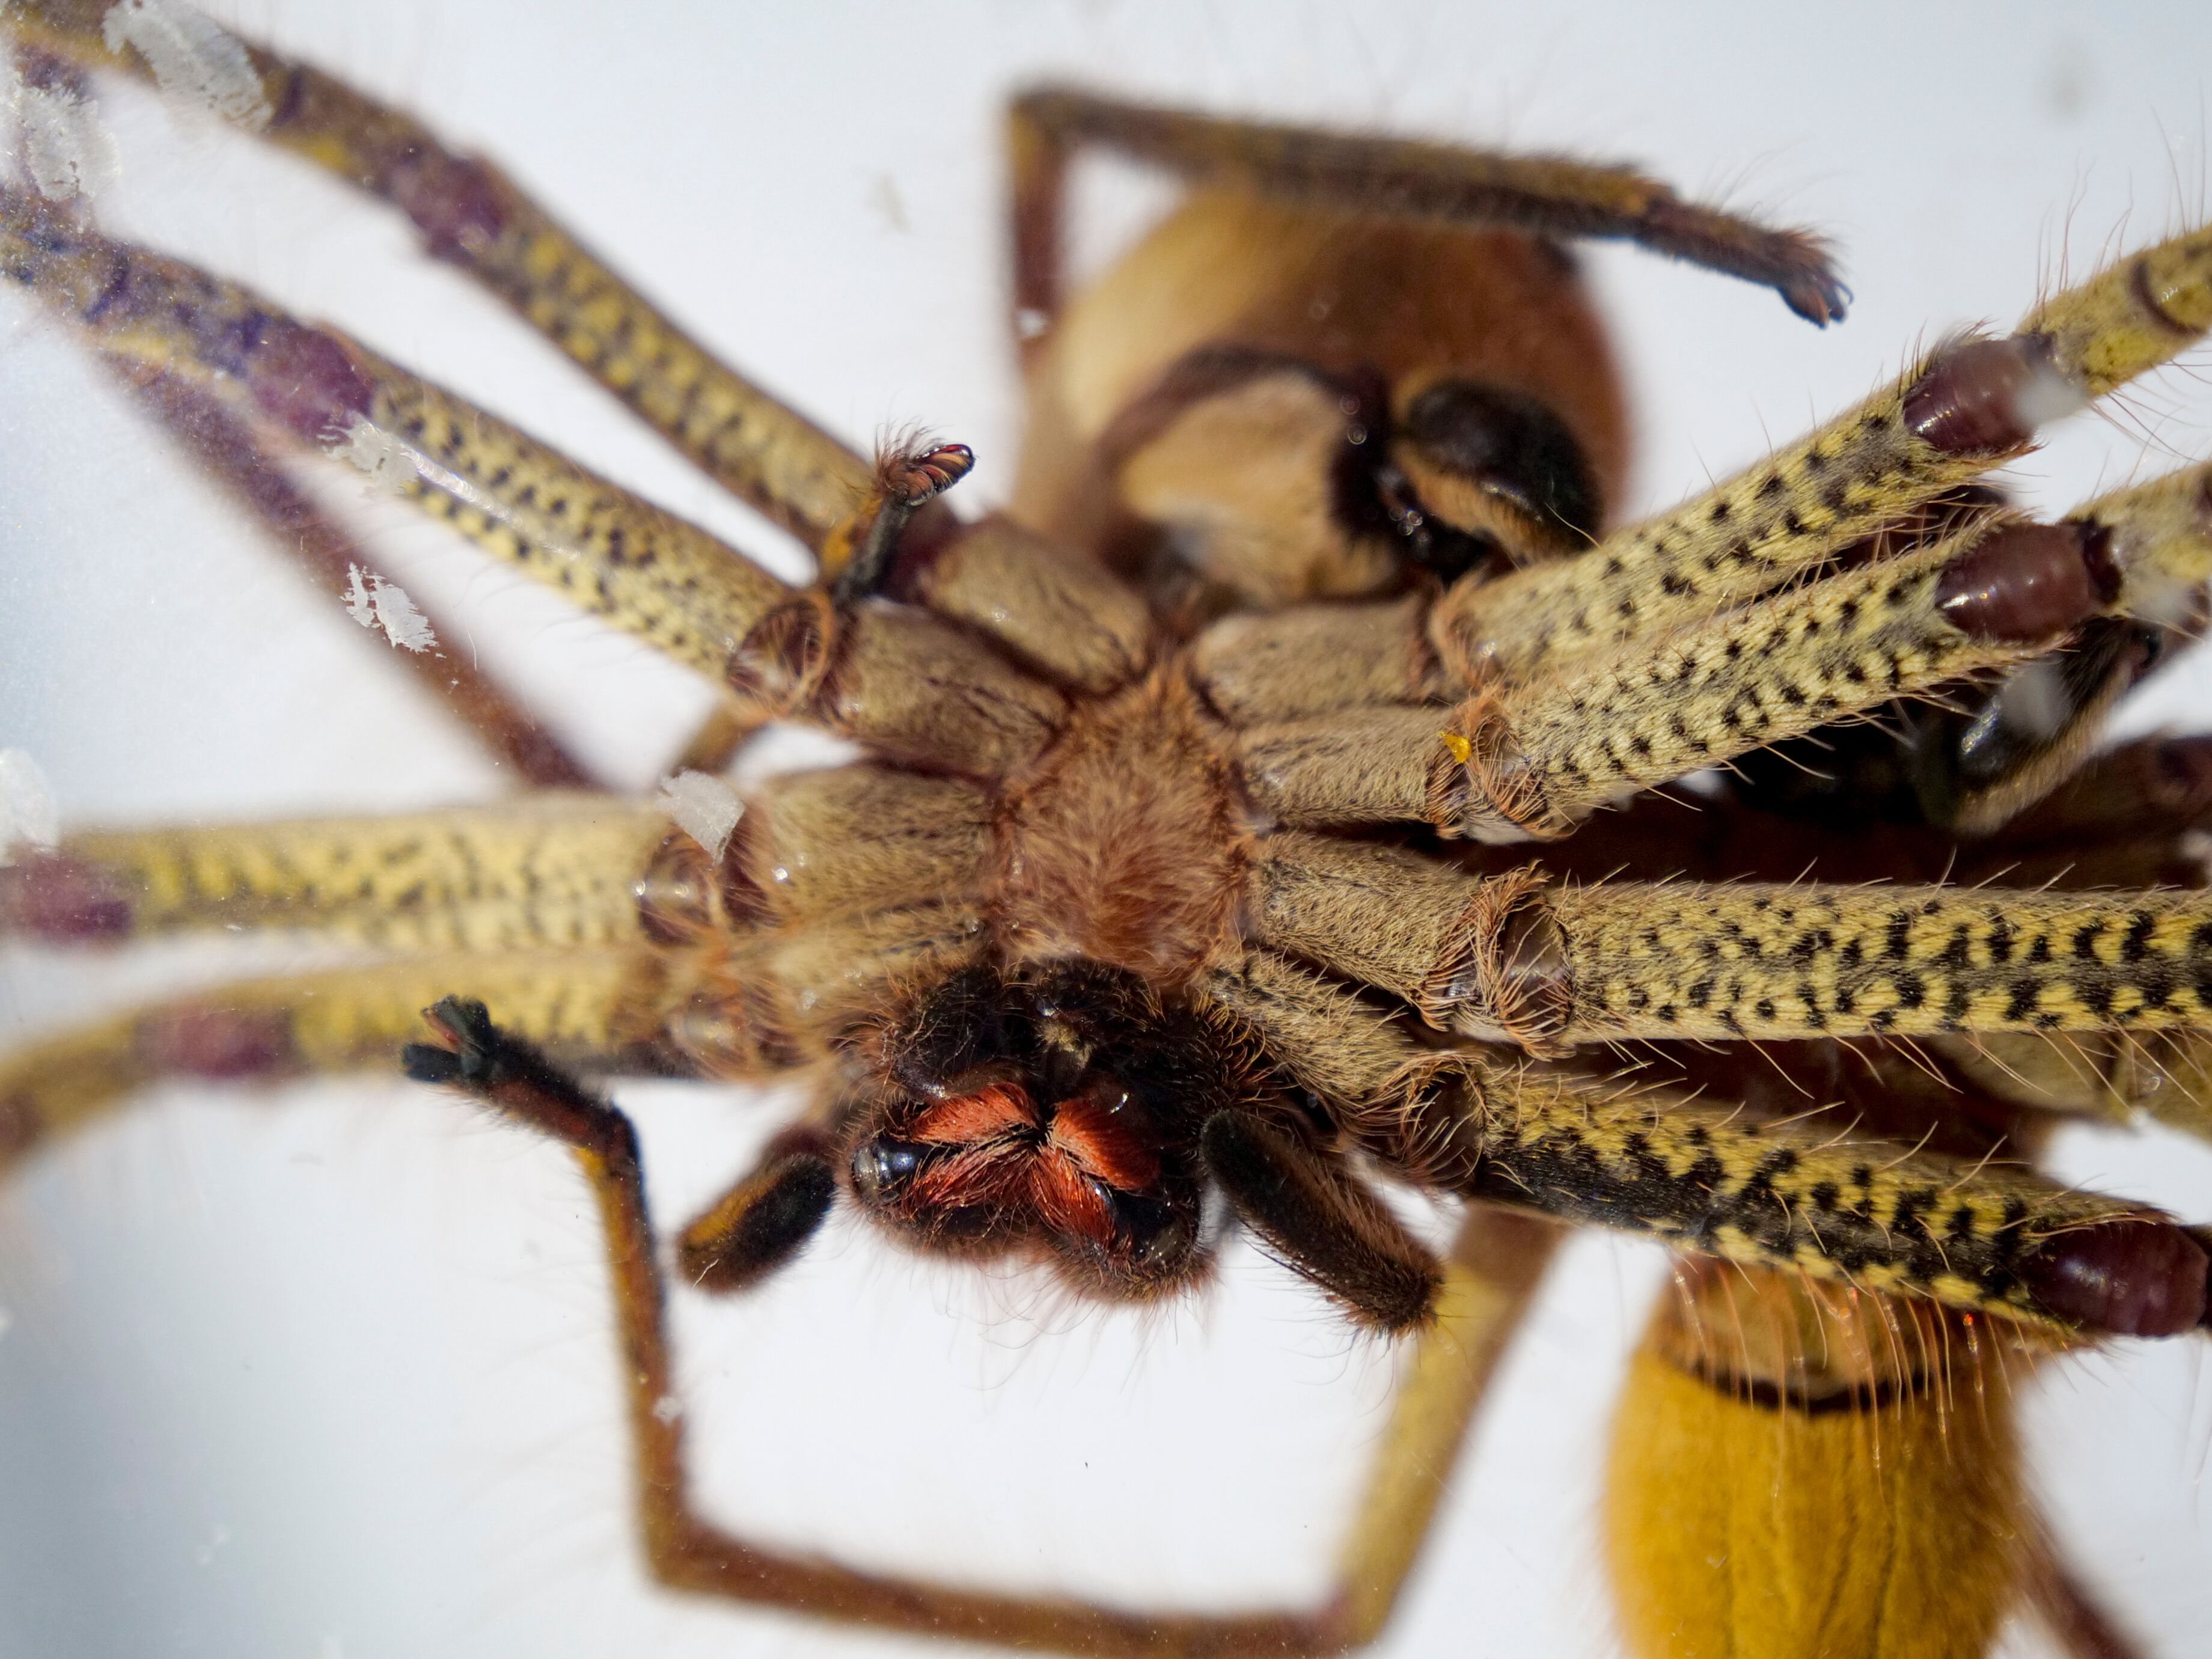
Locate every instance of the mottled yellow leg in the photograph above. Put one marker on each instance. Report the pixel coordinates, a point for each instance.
(1530, 761)
(643, 569)
(1952, 416)
(588, 1003)
(910, 686)
(1801, 1195)
(551, 869)
(472, 215)
(1515, 957)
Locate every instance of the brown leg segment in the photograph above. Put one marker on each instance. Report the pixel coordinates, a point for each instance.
(1496, 1266)
(1547, 195)
(546, 870)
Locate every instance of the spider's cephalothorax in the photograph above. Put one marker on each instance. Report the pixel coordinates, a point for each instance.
(1259, 812)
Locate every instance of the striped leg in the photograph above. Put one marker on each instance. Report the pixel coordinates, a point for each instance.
(1964, 409)
(1704, 1177)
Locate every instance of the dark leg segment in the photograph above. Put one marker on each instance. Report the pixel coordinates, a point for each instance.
(1546, 196)
(688, 1551)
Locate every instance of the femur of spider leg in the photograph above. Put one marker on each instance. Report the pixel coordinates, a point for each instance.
(1260, 666)
(1543, 756)
(1963, 409)
(551, 869)
(1514, 956)
(1530, 762)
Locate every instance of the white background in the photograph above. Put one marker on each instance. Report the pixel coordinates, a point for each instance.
(331, 1377)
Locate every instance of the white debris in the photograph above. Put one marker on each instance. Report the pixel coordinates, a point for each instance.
(705, 808)
(206, 1554)
(28, 818)
(387, 461)
(2047, 396)
(6, 1319)
(2035, 699)
(667, 1408)
(193, 58)
(68, 149)
(375, 602)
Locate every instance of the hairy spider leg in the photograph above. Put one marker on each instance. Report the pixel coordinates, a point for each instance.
(906, 684)
(1702, 1177)
(827, 496)
(1544, 196)
(1492, 1271)
(551, 869)
(1968, 407)
(597, 1002)
(472, 215)
(1518, 958)
(228, 450)
(1531, 760)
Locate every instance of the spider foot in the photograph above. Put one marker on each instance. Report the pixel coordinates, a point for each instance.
(474, 1052)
